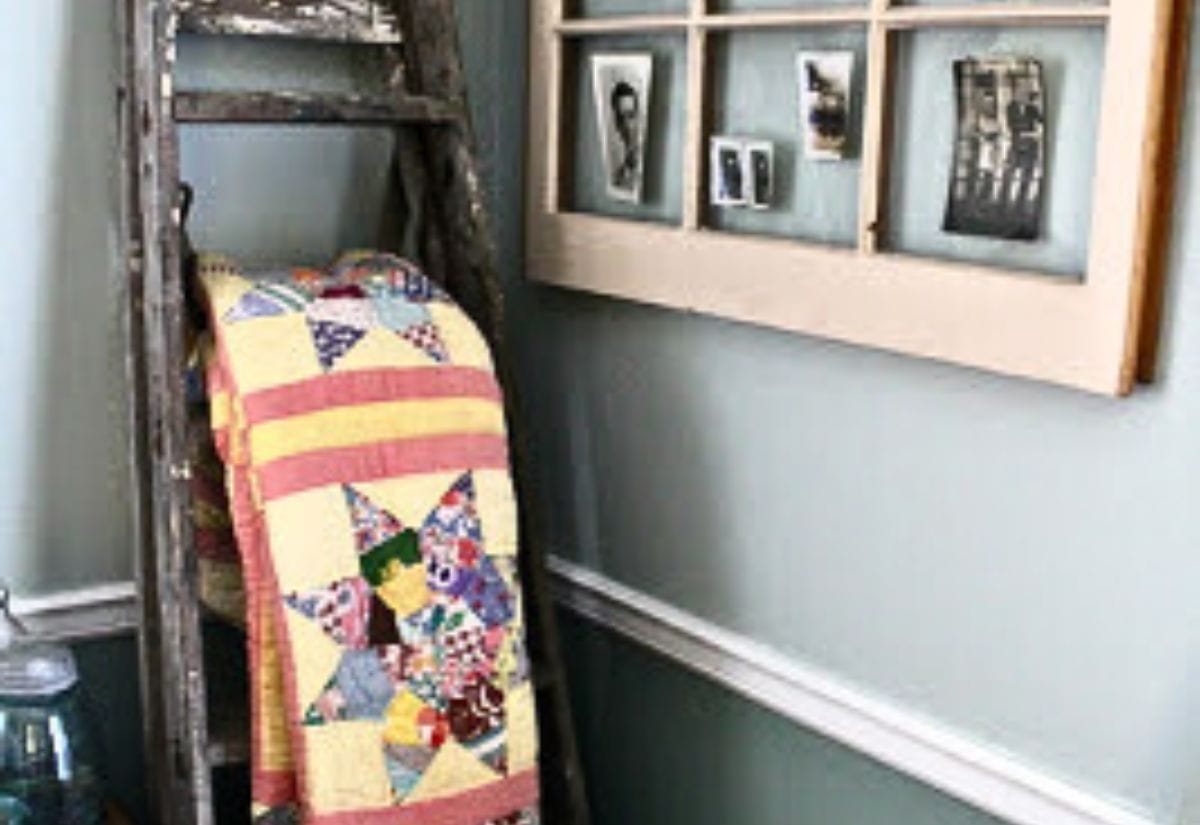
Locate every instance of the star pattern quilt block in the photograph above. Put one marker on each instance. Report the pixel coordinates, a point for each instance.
(424, 631)
(365, 294)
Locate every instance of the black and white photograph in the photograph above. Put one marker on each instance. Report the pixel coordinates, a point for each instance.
(758, 170)
(727, 172)
(996, 183)
(621, 84)
(825, 103)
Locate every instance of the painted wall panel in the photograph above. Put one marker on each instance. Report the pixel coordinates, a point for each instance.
(663, 746)
(1015, 560)
(63, 479)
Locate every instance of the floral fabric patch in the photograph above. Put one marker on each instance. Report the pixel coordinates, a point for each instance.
(424, 632)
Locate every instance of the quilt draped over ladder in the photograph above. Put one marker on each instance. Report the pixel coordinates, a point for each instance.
(363, 434)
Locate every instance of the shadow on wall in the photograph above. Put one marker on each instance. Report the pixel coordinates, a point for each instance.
(80, 489)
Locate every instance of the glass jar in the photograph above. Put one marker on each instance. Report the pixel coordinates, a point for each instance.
(48, 771)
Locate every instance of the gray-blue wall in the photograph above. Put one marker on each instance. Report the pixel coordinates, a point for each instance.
(64, 517)
(1017, 561)
(1014, 560)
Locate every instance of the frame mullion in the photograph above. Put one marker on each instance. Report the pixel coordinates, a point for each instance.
(620, 25)
(786, 18)
(876, 118)
(555, 71)
(991, 14)
(698, 78)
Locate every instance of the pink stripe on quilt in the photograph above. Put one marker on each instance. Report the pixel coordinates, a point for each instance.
(275, 788)
(467, 808)
(370, 462)
(369, 386)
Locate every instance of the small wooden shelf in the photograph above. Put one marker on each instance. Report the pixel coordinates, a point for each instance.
(309, 109)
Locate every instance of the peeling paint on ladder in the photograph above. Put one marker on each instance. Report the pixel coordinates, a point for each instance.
(363, 20)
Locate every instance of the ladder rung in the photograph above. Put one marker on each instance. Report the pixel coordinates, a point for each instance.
(348, 21)
(307, 108)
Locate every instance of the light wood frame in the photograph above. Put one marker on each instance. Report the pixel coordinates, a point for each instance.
(1097, 334)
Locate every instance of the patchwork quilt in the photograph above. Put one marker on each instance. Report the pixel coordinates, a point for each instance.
(367, 473)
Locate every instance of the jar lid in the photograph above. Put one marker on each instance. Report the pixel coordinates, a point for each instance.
(28, 668)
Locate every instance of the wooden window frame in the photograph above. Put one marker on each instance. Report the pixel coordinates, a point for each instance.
(1097, 333)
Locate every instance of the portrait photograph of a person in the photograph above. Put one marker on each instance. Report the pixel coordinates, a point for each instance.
(999, 157)
(825, 102)
(622, 86)
(727, 172)
(759, 161)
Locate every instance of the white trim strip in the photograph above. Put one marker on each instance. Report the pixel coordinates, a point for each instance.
(90, 613)
(981, 775)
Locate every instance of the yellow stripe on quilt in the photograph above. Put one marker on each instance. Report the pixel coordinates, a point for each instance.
(275, 744)
(371, 423)
(219, 404)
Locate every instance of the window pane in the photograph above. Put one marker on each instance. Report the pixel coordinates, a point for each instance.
(640, 175)
(624, 8)
(993, 178)
(758, 96)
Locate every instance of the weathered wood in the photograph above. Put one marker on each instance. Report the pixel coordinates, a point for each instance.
(434, 68)
(172, 644)
(353, 21)
(309, 109)
(430, 48)
(447, 227)
(150, 647)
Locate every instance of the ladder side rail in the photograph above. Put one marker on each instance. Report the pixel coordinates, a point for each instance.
(185, 782)
(429, 43)
(430, 40)
(150, 644)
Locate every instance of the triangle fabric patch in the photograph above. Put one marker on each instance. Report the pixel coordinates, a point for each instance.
(399, 315)
(333, 340)
(452, 771)
(372, 524)
(341, 610)
(362, 688)
(405, 765)
(253, 305)
(426, 338)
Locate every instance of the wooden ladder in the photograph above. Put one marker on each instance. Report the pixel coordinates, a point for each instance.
(448, 235)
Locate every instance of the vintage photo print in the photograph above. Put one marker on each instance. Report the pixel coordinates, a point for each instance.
(727, 175)
(621, 84)
(758, 171)
(825, 102)
(996, 183)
